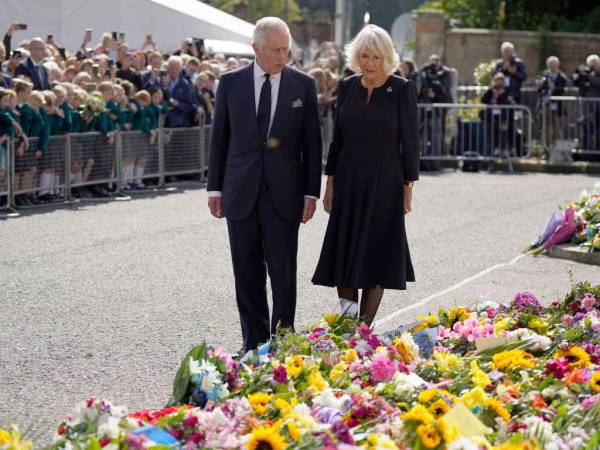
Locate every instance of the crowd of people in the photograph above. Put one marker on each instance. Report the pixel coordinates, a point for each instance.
(48, 90)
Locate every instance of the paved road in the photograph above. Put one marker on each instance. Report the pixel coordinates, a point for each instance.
(105, 299)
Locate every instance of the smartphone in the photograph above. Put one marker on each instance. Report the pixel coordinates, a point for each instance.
(95, 70)
(62, 52)
(114, 35)
(121, 36)
(49, 37)
(88, 33)
(110, 63)
(148, 37)
(21, 26)
(15, 54)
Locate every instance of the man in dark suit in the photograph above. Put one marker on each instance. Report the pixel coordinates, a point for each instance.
(33, 68)
(264, 176)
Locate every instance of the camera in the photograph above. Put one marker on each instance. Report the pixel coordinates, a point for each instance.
(21, 26)
(16, 54)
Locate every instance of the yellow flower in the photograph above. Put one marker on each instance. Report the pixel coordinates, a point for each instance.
(428, 395)
(538, 325)
(418, 413)
(259, 402)
(266, 438)
(11, 440)
(478, 376)
(510, 359)
(438, 408)
(475, 397)
(576, 356)
(497, 408)
(293, 431)
(338, 370)
(524, 445)
(429, 436)
(501, 325)
(447, 361)
(316, 382)
(349, 355)
(449, 433)
(406, 353)
(283, 406)
(294, 365)
(458, 313)
(331, 318)
(595, 381)
(375, 442)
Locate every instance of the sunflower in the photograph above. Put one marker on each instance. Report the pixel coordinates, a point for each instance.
(418, 413)
(429, 436)
(497, 407)
(438, 408)
(510, 359)
(266, 438)
(595, 381)
(576, 356)
(294, 365)
(259, 402)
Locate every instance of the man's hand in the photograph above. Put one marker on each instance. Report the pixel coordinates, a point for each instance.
(328, 198)
(38, 154)
(216, 206)
(407, 199)
(310, 205)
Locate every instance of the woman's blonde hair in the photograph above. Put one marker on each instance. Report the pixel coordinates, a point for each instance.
(374, 38)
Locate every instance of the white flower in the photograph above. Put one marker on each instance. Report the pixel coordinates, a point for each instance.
(463, 444)
(109, 428)
(538, 429)
(362, 347)
(327, 398)
(353, 389)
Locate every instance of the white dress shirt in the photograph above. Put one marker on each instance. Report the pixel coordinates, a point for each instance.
(259, 79)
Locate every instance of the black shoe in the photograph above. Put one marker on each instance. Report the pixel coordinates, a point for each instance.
(99, 191)
(33, 200)
(46, 198)
(20, 201)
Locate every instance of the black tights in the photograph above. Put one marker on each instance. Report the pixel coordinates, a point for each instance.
(369, 302)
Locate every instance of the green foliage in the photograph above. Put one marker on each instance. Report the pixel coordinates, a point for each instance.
(569, 15)
(262, 8)
(182, 379)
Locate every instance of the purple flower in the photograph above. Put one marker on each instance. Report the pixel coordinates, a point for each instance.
(525, 300)
(342, 432)
(328, 415)
(280, 375)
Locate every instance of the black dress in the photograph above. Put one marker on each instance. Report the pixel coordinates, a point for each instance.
(374, 150)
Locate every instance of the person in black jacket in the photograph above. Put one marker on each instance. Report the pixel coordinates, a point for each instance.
(513, 69)
(498, 122)
(552, 83)
(587, 79)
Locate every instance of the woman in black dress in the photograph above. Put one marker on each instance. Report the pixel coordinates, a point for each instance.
(372, 164)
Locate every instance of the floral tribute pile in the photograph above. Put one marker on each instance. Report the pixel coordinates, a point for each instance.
(579, 224)
(518, 375)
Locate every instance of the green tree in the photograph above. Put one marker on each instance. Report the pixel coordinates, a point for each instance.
(262, 8)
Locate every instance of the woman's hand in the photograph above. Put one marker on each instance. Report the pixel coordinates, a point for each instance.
(407, 199)
(328, 198)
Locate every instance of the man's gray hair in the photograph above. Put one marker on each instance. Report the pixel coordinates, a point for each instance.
(268, 24)
(590, 59)
(552, 59)
(175, 59)
(507, 45)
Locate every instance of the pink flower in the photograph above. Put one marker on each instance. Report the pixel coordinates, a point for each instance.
(558, 367)
(566, 320)
(280, 374)
(590, 401)
(443, 332)
(472, 330)
(382, 368)
(588, 302)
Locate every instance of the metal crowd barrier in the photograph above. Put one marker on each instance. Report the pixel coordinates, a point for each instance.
(572, 124)
(452, 131)
(78, 160)
(5, 174)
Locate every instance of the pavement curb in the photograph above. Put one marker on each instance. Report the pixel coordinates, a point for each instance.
(575, 253)
(538, 166)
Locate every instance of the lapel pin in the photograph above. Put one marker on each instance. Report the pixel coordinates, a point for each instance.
(297, 103)
(389, 89)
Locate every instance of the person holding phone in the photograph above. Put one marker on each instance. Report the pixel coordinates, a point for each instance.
(16, 26)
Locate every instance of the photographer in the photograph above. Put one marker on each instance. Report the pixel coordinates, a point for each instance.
(435, 88)
(498, 122)
(587, 79)
(551, 83)
(513, 69)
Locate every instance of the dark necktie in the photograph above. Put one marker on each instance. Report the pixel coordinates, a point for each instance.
(263, 115)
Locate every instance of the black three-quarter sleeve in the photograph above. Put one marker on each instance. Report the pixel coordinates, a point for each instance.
(409, 130)
(338, 140)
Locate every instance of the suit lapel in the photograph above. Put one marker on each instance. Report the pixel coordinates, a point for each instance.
(283, 100)
(247, 97)
(35, 72)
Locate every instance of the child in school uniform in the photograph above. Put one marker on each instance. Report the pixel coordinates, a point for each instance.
(39, 129)
(136, 144)
(116, 116)
(8, 127)
(144, 123)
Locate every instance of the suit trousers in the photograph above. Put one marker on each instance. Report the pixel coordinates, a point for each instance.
(261, 243)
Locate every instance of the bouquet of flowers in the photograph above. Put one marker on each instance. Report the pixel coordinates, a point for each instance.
(502, 376)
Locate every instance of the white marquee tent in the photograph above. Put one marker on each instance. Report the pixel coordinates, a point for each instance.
(168, 21)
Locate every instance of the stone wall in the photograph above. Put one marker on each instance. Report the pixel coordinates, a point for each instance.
(465, 48)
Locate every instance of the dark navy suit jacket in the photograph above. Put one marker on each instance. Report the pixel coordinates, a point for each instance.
(28, 69)
(291, 159)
